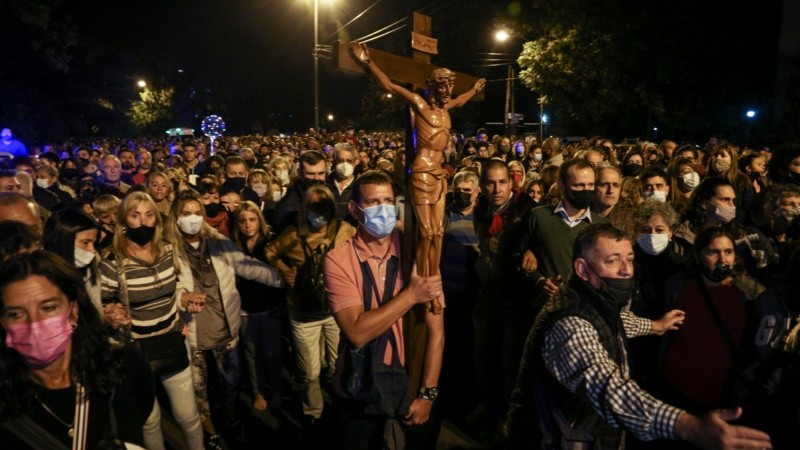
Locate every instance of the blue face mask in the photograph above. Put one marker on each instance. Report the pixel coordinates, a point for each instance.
(316, 221)
(380, 220)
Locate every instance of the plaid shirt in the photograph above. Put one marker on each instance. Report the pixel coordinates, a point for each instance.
(574, 356)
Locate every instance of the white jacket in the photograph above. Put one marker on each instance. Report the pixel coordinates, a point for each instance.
(228, 261)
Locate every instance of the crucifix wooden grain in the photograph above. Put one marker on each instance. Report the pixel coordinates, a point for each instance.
(428, 134)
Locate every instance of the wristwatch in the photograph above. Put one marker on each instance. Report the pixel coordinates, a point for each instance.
(428, 393)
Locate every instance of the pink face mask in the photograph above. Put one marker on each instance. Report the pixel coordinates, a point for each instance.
(40, 343)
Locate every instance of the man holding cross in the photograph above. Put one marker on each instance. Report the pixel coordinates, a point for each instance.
(428, 178)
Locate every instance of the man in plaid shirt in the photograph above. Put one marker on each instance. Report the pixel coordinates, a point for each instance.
(574, 379)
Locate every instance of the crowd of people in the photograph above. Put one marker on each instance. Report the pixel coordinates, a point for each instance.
(210, 263)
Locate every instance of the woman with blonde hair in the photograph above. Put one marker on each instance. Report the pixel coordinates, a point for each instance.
(262, 312)
(139, 296)
(207, 265)
(159, 187)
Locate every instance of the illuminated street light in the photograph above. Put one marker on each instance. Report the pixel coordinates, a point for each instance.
(502, 36)
(750, 114)
(330, 117)
(141, 83)
(544, 118)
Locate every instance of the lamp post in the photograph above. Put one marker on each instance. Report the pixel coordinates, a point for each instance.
(316, 64)
(750, 114)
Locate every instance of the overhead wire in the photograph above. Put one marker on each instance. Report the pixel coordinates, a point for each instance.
(352, 20)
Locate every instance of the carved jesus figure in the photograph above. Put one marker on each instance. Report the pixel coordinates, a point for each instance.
(428, 178)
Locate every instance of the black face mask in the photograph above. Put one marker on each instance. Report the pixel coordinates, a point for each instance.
(212, 210)
(84, 161)
(632, 170)
(580, 199)
(237, 183)
(718, 273)
(127, 166)
(618, 291)
(69, 174)
(462, 200)
(141, 235)
(307, 183)
(503, 149)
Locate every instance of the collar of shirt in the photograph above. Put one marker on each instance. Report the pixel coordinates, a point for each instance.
(364, 253)
(587, 215)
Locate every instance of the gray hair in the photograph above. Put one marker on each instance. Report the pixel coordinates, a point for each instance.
(651, 208)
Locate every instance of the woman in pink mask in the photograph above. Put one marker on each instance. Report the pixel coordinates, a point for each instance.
(62, 383)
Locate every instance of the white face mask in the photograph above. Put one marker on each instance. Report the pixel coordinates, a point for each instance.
(691, 180)
(190, 224)
(661, 196)
(282, 174)
(260, 189)
(653, 244)
(83, 258)
(42, 183)
(344, 170)
(277, 196)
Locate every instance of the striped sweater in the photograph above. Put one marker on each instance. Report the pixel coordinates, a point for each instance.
(151, 293)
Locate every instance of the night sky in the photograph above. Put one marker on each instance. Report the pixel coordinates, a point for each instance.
(257, 53)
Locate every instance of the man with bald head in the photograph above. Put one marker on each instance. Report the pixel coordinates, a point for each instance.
(15, 206)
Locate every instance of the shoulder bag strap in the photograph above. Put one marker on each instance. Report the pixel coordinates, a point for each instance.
(32, 433)
(726, 335)
(122, 281)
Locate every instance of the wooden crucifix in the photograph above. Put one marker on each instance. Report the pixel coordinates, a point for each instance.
(427, 137)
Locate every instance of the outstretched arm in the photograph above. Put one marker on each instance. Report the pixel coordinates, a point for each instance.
(464, 98)
(361, 53)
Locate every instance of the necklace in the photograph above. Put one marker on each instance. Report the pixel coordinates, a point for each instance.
(70, 426)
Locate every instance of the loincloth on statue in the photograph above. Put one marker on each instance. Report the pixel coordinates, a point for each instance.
(428, 183)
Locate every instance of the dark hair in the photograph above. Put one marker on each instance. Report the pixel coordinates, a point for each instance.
(707, 236)
(696, 212)
(94, 362)
(50, 156)
(587, 238)
(234, 160)
(59, 236)
(492, 164)
(368, 177)
(15, 237)
(652, 172)
(311, 157)
(577, 164)
(207, 187)
(779, 163)
(22, 161)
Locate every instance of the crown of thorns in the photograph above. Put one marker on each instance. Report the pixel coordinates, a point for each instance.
(439, 76)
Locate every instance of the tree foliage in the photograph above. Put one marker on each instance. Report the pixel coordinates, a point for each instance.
(621, 67)
(152, 113)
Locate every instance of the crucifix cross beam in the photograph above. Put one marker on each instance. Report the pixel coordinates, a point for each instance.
(401, 70)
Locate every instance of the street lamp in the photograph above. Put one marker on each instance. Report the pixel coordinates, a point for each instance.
(330, 117)
(502, 36)
(142, 84)
(316, 62)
